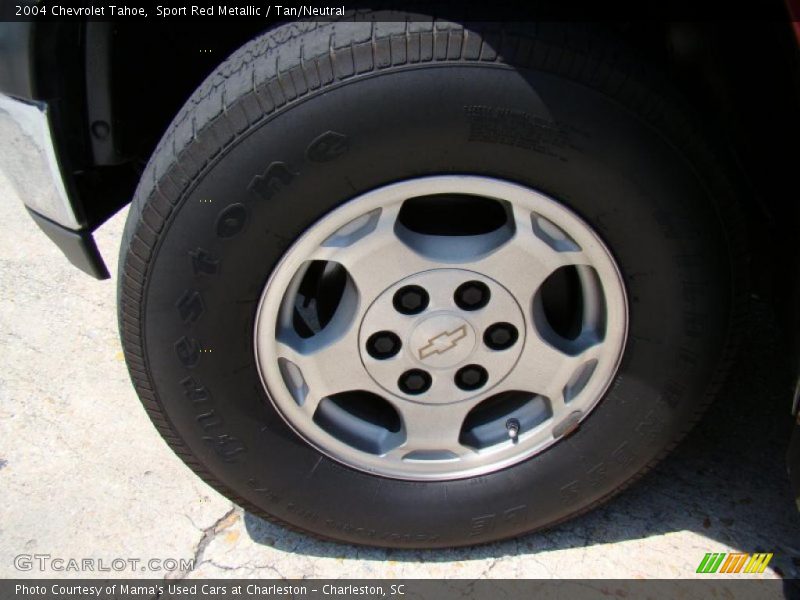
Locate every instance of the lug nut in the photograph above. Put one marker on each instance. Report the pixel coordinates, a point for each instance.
(414, 381)
(500, 336)
(411, 300)
(383, 345)
(471, 377)
(472, 295)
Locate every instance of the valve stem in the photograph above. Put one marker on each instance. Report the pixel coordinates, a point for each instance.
(512, 427)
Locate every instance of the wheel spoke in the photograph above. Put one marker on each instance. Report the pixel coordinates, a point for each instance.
(525, 261)
(328, 366)
(546, 370)
(432, 429)
(379, 258)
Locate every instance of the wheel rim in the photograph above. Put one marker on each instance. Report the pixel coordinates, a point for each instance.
(441, 327)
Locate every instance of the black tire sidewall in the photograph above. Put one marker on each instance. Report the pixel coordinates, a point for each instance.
(626, 179)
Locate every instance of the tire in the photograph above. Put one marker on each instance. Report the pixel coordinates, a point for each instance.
(308, 116)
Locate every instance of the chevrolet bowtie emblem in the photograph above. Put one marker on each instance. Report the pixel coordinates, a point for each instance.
(441, 343)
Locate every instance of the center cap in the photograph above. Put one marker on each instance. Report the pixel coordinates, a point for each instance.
(442, 340)
(441, 336)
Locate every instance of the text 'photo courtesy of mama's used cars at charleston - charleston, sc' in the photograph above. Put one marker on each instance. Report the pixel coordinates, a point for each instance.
(421, 283)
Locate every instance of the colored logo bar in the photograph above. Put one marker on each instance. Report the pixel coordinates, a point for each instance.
(734, 562)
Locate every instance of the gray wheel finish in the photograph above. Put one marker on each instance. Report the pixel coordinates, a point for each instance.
(555, 380)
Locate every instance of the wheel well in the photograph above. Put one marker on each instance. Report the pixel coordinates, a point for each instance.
(114, 88)
(153, 79)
